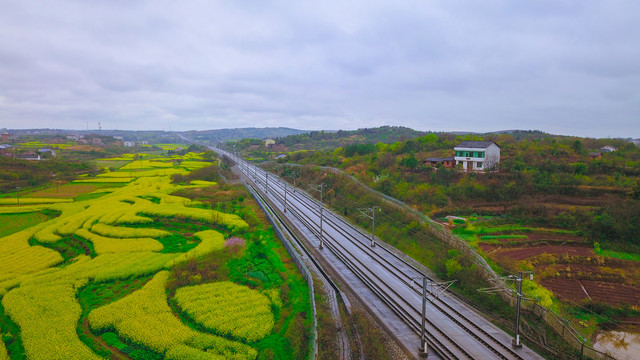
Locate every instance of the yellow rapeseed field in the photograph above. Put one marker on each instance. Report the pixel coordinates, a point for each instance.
(3, 352)
(229, 309)
(145, 318)
(40, 297)
(125, 232)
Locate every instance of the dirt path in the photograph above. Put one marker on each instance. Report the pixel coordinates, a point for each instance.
(116, 354)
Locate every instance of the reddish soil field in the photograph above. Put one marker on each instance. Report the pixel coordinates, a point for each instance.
(568, 289)
(606, 292)
(541, 237)
(607, 284)
(527, 252)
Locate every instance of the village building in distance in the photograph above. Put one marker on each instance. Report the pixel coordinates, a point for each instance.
(477, 156)
(269, 142)
(447, 162)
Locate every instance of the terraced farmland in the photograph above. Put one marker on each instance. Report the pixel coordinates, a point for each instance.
(573, 270)
(99, 280)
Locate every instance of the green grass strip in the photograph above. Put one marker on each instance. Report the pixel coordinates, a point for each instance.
(498, 237)
(620, 255)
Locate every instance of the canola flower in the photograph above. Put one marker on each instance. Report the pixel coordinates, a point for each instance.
(47, 315)
(210, 241)
(46, 309)
(145, 318)
(228, 309)
(229, 220)
(125, 232)
(18, 259)
(23, 200)
(123, 179)
(146, 164)
(40, 297)
(147, 173)
(203, 183)
(3, 352)
(21, 209)
(194, 165)
(104, 245)
(133, 219)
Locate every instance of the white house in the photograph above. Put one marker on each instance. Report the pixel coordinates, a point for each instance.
(48, 151)
(608, 148)
(477, 155)
(269, 142)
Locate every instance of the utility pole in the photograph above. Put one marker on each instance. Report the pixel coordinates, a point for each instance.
(321, 235)
(18, 194)
(439, 288)
(321, 189)
(518, 279)
(295, 174)
(372, 211)
(285, 196)
(423, 351)
(516, 341)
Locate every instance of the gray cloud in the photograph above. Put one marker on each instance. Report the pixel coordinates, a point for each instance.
(570, 67)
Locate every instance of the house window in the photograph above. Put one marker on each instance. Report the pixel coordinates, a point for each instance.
(479, 165)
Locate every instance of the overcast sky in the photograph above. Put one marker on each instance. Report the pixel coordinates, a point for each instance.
(565, 67)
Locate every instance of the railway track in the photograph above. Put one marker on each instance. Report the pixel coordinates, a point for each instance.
(452, 329)
(343, 341)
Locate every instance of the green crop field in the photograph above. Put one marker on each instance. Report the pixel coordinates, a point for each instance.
(12, 223)
(120, 272)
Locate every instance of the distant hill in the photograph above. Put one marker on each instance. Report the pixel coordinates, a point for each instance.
(159, 136)
(221, 135)
(524, 134)
(320, 140)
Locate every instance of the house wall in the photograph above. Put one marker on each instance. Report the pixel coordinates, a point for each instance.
(492, 156)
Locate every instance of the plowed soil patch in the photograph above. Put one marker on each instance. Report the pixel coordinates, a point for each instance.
(612, 293)
(567, 289)
(606, 292)
(527, 252)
